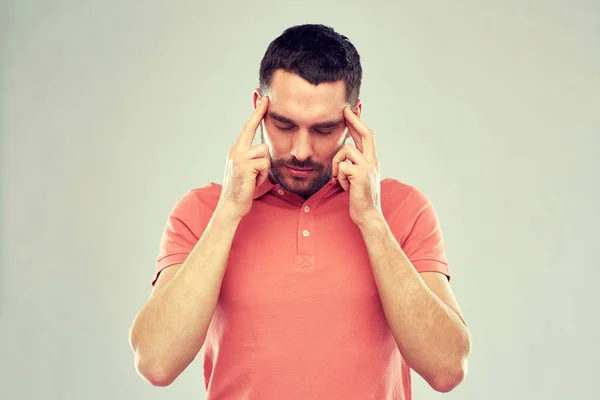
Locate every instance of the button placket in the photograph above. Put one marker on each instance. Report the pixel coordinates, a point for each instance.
(305, 238)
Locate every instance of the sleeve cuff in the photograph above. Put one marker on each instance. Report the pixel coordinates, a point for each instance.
(431, 266)
(167, 261)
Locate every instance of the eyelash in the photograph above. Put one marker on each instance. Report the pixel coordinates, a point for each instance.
(292, 127)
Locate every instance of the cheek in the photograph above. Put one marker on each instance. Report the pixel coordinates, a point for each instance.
(338, 142)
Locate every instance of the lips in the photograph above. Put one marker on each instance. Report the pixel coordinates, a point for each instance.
(301, 169)
(299, 173)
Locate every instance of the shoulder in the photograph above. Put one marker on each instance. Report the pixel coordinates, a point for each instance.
(407, 210)
(199, 200)
(397, 195)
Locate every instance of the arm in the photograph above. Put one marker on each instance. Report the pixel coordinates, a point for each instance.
(170, 329)
(421, 310)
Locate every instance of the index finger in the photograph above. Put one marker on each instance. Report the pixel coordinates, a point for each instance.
(245, 139)
(366, 135)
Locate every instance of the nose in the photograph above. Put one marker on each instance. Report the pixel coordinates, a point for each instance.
(301, 147)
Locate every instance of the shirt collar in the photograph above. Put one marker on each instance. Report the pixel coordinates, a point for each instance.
(331, 187)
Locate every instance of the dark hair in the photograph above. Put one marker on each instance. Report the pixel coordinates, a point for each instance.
(316, 53)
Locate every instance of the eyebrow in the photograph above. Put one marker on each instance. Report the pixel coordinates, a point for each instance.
(322, 125)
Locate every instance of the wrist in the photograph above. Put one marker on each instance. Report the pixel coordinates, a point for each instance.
(371, 221)
(225, 217)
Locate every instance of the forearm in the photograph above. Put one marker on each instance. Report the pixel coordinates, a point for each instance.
(171, 327)
(431, 337)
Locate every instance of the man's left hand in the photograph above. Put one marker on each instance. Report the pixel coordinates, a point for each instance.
(357, 170)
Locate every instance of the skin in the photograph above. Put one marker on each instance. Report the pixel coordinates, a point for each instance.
(299, 141)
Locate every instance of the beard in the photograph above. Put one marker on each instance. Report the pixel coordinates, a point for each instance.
(304, 187)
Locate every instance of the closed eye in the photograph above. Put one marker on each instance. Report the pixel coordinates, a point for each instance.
(287, 129)
(284, 129)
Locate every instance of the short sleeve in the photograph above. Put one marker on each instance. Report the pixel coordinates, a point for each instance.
(185, 225)
(423, 244)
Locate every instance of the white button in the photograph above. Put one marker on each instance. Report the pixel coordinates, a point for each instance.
(280, 192)
(305, 233)
(306, 208)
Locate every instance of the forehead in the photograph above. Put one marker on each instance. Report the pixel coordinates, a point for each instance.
(292, 96)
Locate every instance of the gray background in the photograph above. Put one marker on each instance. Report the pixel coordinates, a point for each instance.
(112, 110)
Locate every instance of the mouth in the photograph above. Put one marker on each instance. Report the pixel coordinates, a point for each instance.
(299, 172)
(300, 169)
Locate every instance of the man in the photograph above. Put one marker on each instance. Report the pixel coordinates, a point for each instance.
(304, 276)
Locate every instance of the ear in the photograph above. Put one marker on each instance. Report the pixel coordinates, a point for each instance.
(357, 110)
(256, 96)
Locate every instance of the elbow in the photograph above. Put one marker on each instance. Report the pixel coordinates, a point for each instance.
(446, 381)
(452, 375)
(448, 378)
(159, 379)
(154, 374)
(151, 369)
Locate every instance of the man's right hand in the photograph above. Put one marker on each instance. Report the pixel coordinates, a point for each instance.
(246, 168)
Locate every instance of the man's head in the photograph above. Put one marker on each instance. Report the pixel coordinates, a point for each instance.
(310, 73)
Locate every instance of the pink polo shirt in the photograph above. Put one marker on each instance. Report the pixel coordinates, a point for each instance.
(299, 315)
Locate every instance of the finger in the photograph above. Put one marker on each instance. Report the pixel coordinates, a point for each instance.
(357, 126)
(261, 167)
(347, 152)
(258, 151)
(342, 177)
(346, 172)
(354, 155)
(249, 131)
(337, 158)
(355, 137)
